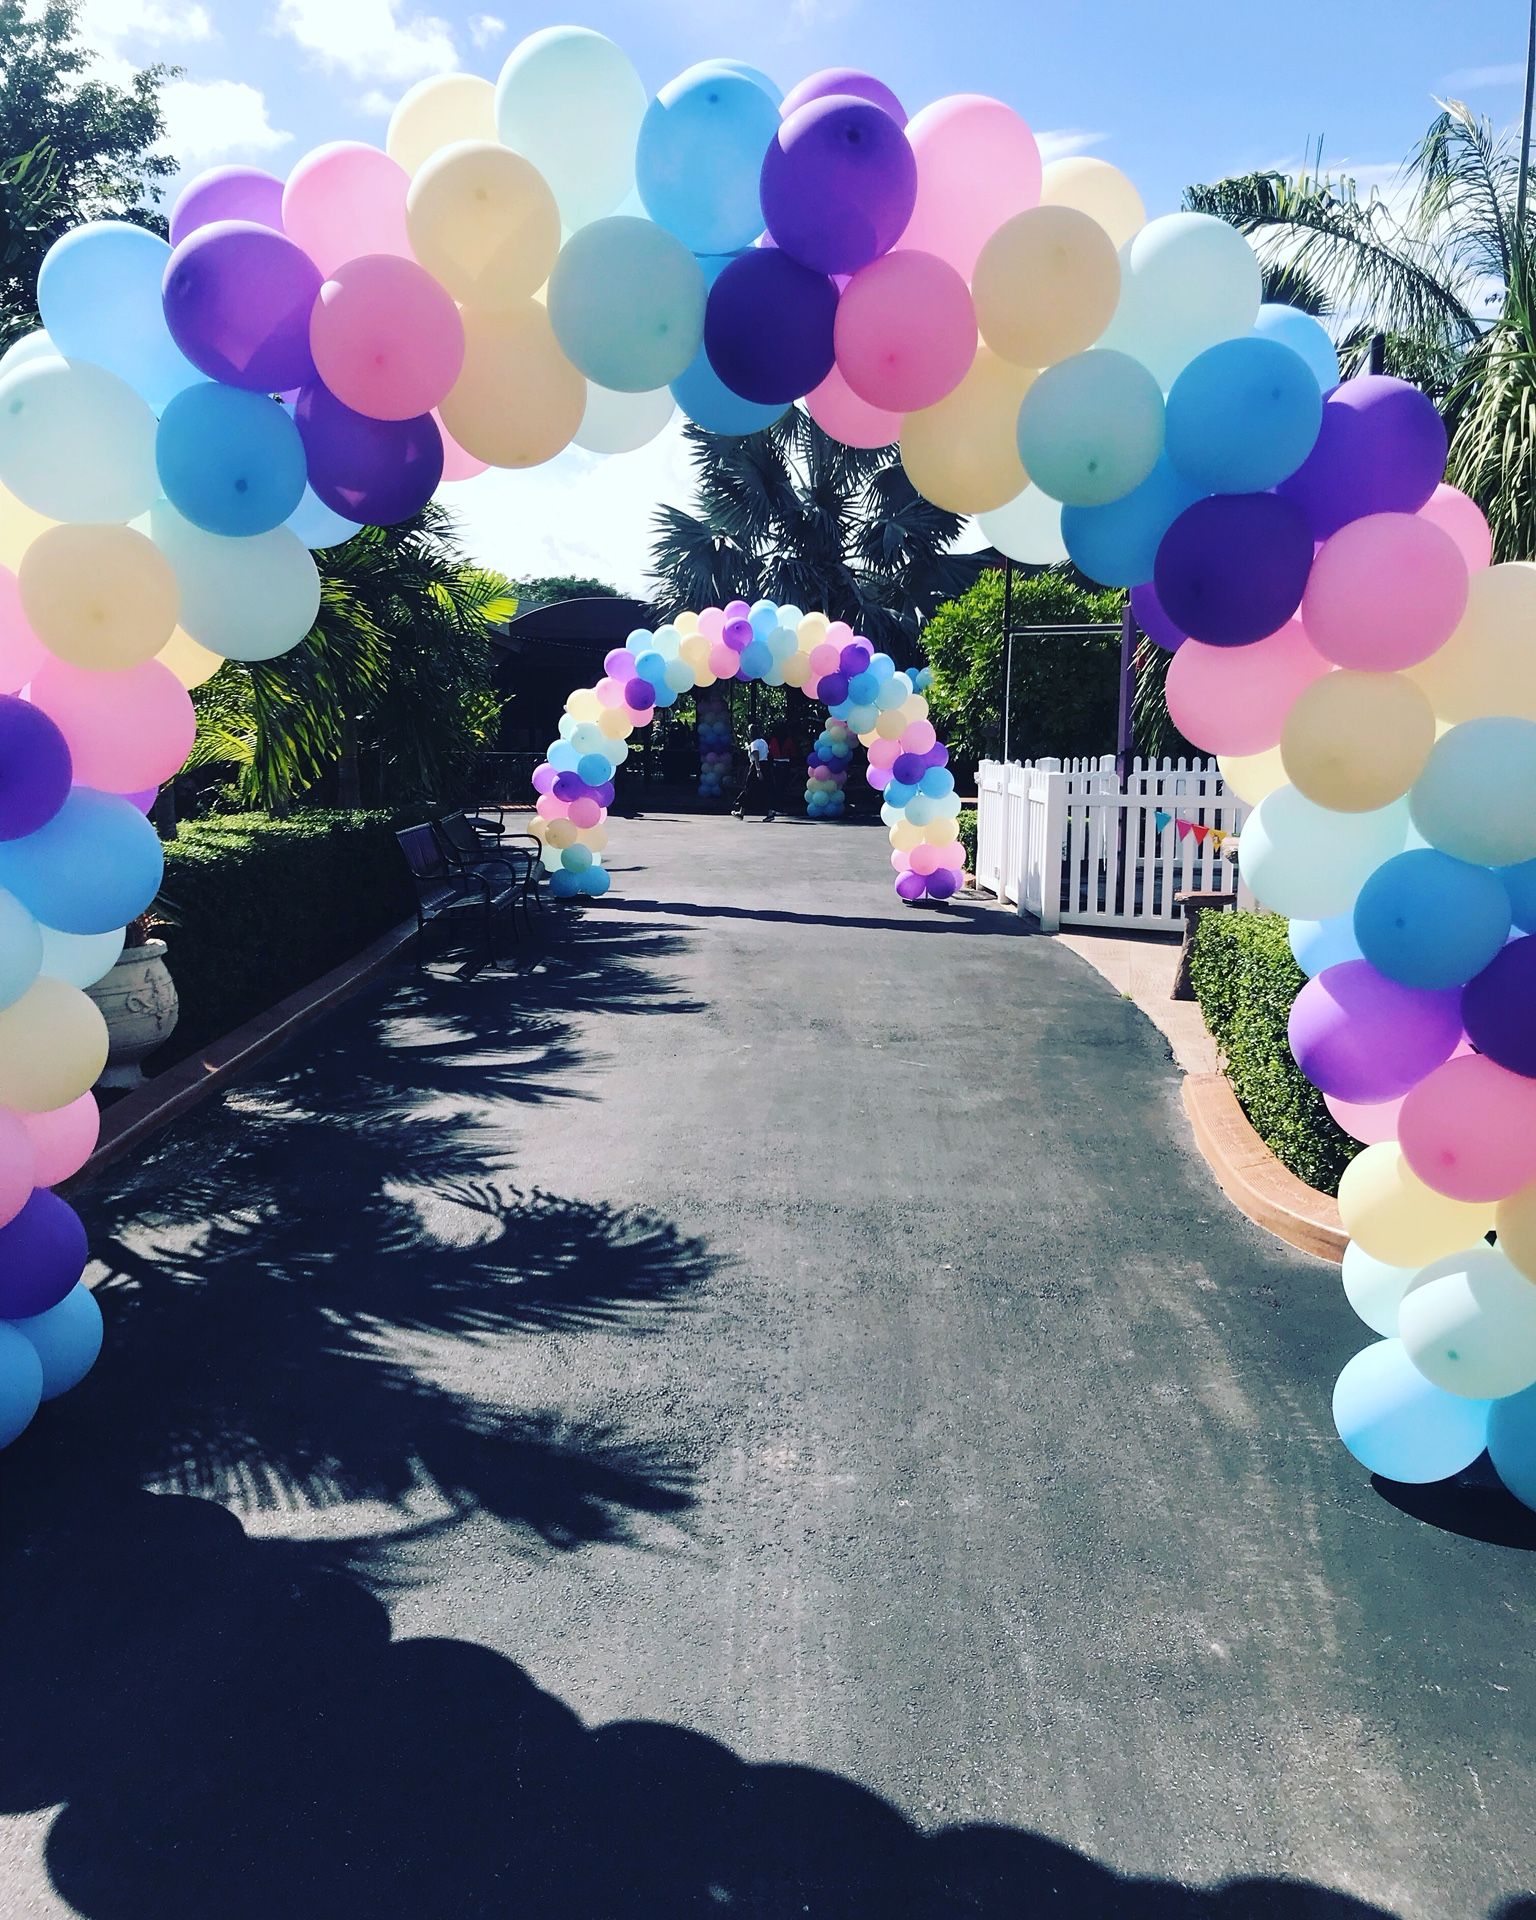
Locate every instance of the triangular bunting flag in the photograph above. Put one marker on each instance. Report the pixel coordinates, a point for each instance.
(1218, 834)
(1200, 833)
(1186, 828)
(1164, 820)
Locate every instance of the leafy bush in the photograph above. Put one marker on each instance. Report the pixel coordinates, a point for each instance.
(253, 908)
(1245, 979)
(967, 836)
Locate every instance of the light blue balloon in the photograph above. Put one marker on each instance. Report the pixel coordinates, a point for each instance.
(1317, 945)
(80, 959)
(936, 782)
(1427, 920)
(652, 666)
(571, 101)
(665, 695)
(1243, 416)
(95, 866)
(596, 881)
(700, 156)
(99, 294)
(21, 949)
(231, 462)
(899, 794)
(66, 1339)
(318, 525)
(576, 859)
(1476, 797)
(21, 1383)
(1304, 336)
(1397, 1424)
(594, 768)
(626, 300)
(1091, 427)
(765, 619)
(1520, 885)
(756, 659)
(563, 757)
(587, 737)
(758, 78)
(1117, 544)
(862, 688)
(1512, 1444)
(564, 884)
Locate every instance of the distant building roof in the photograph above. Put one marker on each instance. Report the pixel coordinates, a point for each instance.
(575, 625)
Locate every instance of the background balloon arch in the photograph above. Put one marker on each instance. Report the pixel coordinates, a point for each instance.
(866, 695)
(558, 259)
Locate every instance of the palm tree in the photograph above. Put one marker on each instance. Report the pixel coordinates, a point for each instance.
(1443, 271)
(792, 515)
(395, 672)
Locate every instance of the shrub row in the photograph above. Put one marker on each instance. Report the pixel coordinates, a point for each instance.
(1245, 979)
(966, 834)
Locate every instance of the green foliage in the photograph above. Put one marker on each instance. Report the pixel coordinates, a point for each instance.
(1065, 688)
(72, 148)
(1245, 979)
(966, 826)
(792, 515)
(254, 908)
(550, 589)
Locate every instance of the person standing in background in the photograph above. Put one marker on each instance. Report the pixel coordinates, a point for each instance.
(757, 788)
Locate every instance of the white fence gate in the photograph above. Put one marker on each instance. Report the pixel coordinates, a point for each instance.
(1067, 843)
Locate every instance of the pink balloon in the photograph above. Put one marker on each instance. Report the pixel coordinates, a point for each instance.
(712, 622)
(919, 737)
(1451, 511)
(21, 652)
(64, 1139)
(18, 1165)
(144, 799)
(839, 635)
(457, 464)
(1369, 1122)
(386, 338)
(824, 658)
(585, 812)
(901, 860)
(905, 333)
(1469, 1129)
(952, 854)
(724, 661)
(977, 166)
(924, 858)
(344, 200)
(1385, 592)
(838, 410)
(127, 731)
(1235, 699)
(610, 693)
(550, 808)
(885, 753)
(878, 777)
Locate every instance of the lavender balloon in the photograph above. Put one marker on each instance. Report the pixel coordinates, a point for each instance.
(839, 184)
(1154, 621)
(848, 82)
(768, 327)
(1380, 449)
(374, 471)
(35, 768)
(237, 300)
(1499, 1007)
(42, 1255)
(1360, 1036)
(1232, 569)
(228, 193)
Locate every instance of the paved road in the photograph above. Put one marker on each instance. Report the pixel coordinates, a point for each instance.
(763, 1415)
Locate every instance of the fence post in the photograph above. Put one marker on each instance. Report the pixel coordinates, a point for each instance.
(1054, 845)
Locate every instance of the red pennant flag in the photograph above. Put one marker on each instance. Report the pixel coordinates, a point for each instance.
(1200, 833)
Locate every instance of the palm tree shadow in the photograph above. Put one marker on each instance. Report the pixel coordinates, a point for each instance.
(229, 1728)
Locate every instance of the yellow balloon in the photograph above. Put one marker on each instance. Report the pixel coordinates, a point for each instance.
(687, 622)
(190, 661)
(594, 837)
(614, 723)
(103, 597)
(560, 833)
(584, 705)
(905, 835)
(537, 825)
(914, 707)
(1488, 665)
(53, 1046)
(1357, 741)
(518, 401)
(963, 454)
(1253, 776)
(796, 670)
(939, 833)
(440, 112)
(1387, 1208)
(811, 631)
(1515, 1221)
(1046, 285)
(1096, 188)
(483, 221)
(694, 648)
(19, 527)
(702, 677)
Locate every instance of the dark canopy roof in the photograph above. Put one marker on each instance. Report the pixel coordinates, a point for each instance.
(578, 626)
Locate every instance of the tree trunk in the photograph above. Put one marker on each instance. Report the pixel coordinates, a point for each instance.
(349, 785)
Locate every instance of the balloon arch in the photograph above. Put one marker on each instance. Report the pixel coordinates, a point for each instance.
(866, 695)
(556, 260)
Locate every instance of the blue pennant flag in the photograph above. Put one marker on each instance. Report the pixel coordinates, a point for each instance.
(1164, 821)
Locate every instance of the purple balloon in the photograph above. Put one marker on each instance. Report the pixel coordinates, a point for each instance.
(768, 327)
(42, 1254)
(1362, 1037)
(738, 634)
(1381, 449)
(942, 882)
(832, 689)
(35, 768)
(911, 886)
(603, 795)
(1152, 620)
(237, 301)
(639, 695)
(1232, 569)
(854, 658)
(619, 665)
(849, 82)
(839, 184)
(228, 193)
(544, 778)
(570, 786)
(937, 755)
(373, 471)
(909, 768)
(1499, 1008)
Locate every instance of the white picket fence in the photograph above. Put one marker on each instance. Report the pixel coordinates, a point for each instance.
(1067, 842)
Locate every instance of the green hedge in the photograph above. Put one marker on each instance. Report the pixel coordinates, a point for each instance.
(966, 834)
(255, 908)
(1245, 979)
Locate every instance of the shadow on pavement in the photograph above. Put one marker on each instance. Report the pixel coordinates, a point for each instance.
(232, 1732)
(1476, 1505)
(952, 916)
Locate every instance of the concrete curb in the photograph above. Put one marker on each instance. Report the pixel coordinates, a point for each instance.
(1253, 1179)
(139, 1114)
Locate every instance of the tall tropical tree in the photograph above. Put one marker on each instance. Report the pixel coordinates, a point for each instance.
(389, 699)
(792, 515)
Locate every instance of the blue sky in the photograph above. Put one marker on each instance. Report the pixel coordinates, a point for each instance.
(1170, 90)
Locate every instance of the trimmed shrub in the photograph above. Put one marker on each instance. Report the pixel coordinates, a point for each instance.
(253, 908)
(1245, 979)
(966, 835)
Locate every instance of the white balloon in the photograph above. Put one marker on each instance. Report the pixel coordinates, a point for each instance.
(248, 599)
(1028, 529)
(31, 346)
(622, 422)
(80, 959)
(1468, 1324)
(1374, 1289)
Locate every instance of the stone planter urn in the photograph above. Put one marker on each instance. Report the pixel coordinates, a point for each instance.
(138, 1001)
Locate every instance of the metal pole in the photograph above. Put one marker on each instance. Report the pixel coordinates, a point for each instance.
(1008, 643)
(1525, 135)
(1125, 734)
(1379, 342)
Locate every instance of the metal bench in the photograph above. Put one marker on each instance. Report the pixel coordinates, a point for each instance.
(500, 863)
(444, 893)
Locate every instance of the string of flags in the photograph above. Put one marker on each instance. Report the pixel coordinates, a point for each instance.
(1216, 835)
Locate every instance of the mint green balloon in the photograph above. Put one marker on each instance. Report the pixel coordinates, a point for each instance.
(1309, 863)
(626, 300)
(1187, 281)
(570, 101)
(1476, 798)
(250, 598)
(76, 443)
(1091, 428)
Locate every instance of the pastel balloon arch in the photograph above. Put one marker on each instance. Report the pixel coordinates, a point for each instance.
(864, 692)
(558, 259)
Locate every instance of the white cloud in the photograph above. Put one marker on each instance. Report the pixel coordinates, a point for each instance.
(364, 37)
(211, 120)
(485, 27)
(1474, 79)
(377, 102)
(1059, 143)
(105, 23)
